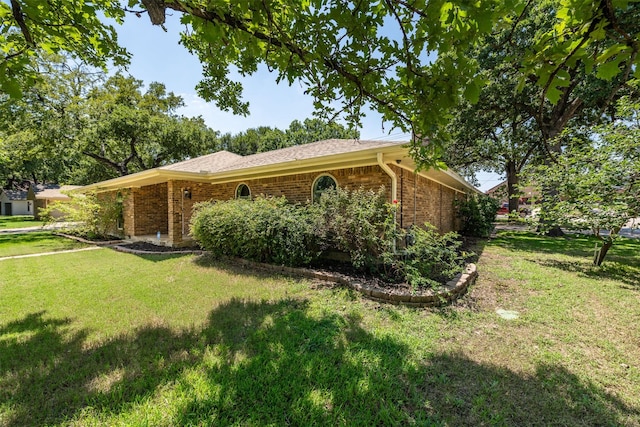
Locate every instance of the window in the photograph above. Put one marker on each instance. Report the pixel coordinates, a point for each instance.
(321, 184)
(243, 192)
(120, 211)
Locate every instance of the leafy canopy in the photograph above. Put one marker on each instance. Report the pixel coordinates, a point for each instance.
(597, 179)
(408, 59)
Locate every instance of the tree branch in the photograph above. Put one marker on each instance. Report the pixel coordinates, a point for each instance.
(226, 18)
(16, 10)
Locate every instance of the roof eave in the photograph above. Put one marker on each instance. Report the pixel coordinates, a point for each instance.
(366, 157)
(148, 177)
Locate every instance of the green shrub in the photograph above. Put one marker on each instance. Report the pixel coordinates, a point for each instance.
(478, 212)
(360, 223)
(89, 215)
(432, 259)
(264, 230)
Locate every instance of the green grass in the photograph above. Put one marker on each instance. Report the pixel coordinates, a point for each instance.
(19, 221)
(105, 338)
(35, 242)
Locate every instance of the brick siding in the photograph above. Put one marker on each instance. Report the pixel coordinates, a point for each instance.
(423, 200)
(165, 208)
(145, 210)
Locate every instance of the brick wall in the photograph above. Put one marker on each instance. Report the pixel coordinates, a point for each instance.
(297, 188)
(165, 207)
(145, 210)
(423, 200)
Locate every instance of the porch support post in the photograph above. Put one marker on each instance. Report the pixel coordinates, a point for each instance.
(129, 213)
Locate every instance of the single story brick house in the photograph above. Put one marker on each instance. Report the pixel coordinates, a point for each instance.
(161, 200)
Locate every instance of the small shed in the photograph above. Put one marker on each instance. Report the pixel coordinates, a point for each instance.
(44, 195)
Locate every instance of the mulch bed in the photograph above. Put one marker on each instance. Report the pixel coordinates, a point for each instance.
(150, 247)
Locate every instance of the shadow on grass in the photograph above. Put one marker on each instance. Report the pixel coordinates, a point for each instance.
(609, 270)
(158, 257)
(475, 245)
(276, 363)
(28, 238)
(571, 245)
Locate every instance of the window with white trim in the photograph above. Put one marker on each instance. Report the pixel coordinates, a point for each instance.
(243, 192)
(323, 183)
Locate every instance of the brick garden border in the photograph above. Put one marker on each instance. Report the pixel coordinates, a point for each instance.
(447, 293)
(89, 242)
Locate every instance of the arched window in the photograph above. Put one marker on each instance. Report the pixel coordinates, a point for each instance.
(243, 192)
(321, 184)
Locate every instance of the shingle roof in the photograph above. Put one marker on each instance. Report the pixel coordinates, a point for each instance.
(226, 161)
(308, 151)
(54, 192)
(15, 194)
(209, 163)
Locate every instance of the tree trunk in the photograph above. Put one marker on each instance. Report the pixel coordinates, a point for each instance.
(555, 149)
(599, 254)
(512, 186)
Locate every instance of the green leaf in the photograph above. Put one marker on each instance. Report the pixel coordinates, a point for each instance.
(553, 94)
(608, 70)
(472, 92)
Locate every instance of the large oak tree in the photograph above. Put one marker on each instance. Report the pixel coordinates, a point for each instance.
(408, 59)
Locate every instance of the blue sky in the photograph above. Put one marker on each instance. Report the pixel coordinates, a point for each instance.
(158, 56)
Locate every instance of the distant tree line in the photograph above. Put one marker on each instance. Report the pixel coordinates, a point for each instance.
(77, 125)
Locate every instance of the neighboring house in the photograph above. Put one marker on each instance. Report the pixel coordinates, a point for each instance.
(162, 199)
(528, 197)
(14, 202)
(44, 195)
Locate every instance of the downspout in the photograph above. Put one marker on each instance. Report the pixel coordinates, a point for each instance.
(392, 174)
(394, 189)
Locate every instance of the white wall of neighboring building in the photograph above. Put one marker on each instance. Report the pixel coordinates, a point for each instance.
(18, 207)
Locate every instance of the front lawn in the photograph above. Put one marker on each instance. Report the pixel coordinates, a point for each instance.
(35, 242)
(105, 338)
(19, 221)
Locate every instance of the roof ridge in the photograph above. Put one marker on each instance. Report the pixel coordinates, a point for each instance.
(326, 147)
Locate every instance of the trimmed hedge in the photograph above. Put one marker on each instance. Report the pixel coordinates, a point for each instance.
(265, 230)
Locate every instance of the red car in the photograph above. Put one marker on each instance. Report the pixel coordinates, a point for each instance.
(504, 209)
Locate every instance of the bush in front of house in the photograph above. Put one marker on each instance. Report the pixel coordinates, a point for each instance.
(265, 230)
(360, 223)
(87, 215)
(432, 259)
(478, 213)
